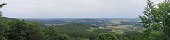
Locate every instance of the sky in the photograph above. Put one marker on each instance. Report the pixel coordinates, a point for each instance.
(74, 8)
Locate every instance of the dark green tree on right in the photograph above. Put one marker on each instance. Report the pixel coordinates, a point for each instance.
(157, 20)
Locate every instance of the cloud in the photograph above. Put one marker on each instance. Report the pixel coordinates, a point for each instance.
(74, 8)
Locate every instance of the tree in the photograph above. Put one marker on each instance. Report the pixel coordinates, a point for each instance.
(104, 36)
(3, 25)
(1, 5)
(51, 33)
(149, 16)
(22, 30)
(164, 9)
(156, 20)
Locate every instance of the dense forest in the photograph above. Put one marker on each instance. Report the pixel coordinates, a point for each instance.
(156, 20)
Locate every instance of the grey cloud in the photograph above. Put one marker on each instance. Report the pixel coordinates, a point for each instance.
(74, 8)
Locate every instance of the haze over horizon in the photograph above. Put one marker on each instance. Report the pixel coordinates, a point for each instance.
(74, 8)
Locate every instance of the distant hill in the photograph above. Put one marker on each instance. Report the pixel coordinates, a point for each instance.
(92, 21)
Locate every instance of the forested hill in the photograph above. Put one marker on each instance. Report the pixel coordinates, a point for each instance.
(6, 18)
(15, 29)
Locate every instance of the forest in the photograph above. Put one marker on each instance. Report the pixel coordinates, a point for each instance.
(156, 20)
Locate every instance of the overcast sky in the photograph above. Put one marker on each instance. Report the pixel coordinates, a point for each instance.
(74, 8)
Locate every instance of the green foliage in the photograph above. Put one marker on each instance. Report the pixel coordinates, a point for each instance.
(102, 30)
(3, 29)
(75, 31)
(21, 30)
(52, 34)
(164, 8)
(3, 25)
(156, 20)
(17, 29)
(104, 36)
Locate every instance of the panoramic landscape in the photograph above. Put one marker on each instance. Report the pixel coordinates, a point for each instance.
(84, 19)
